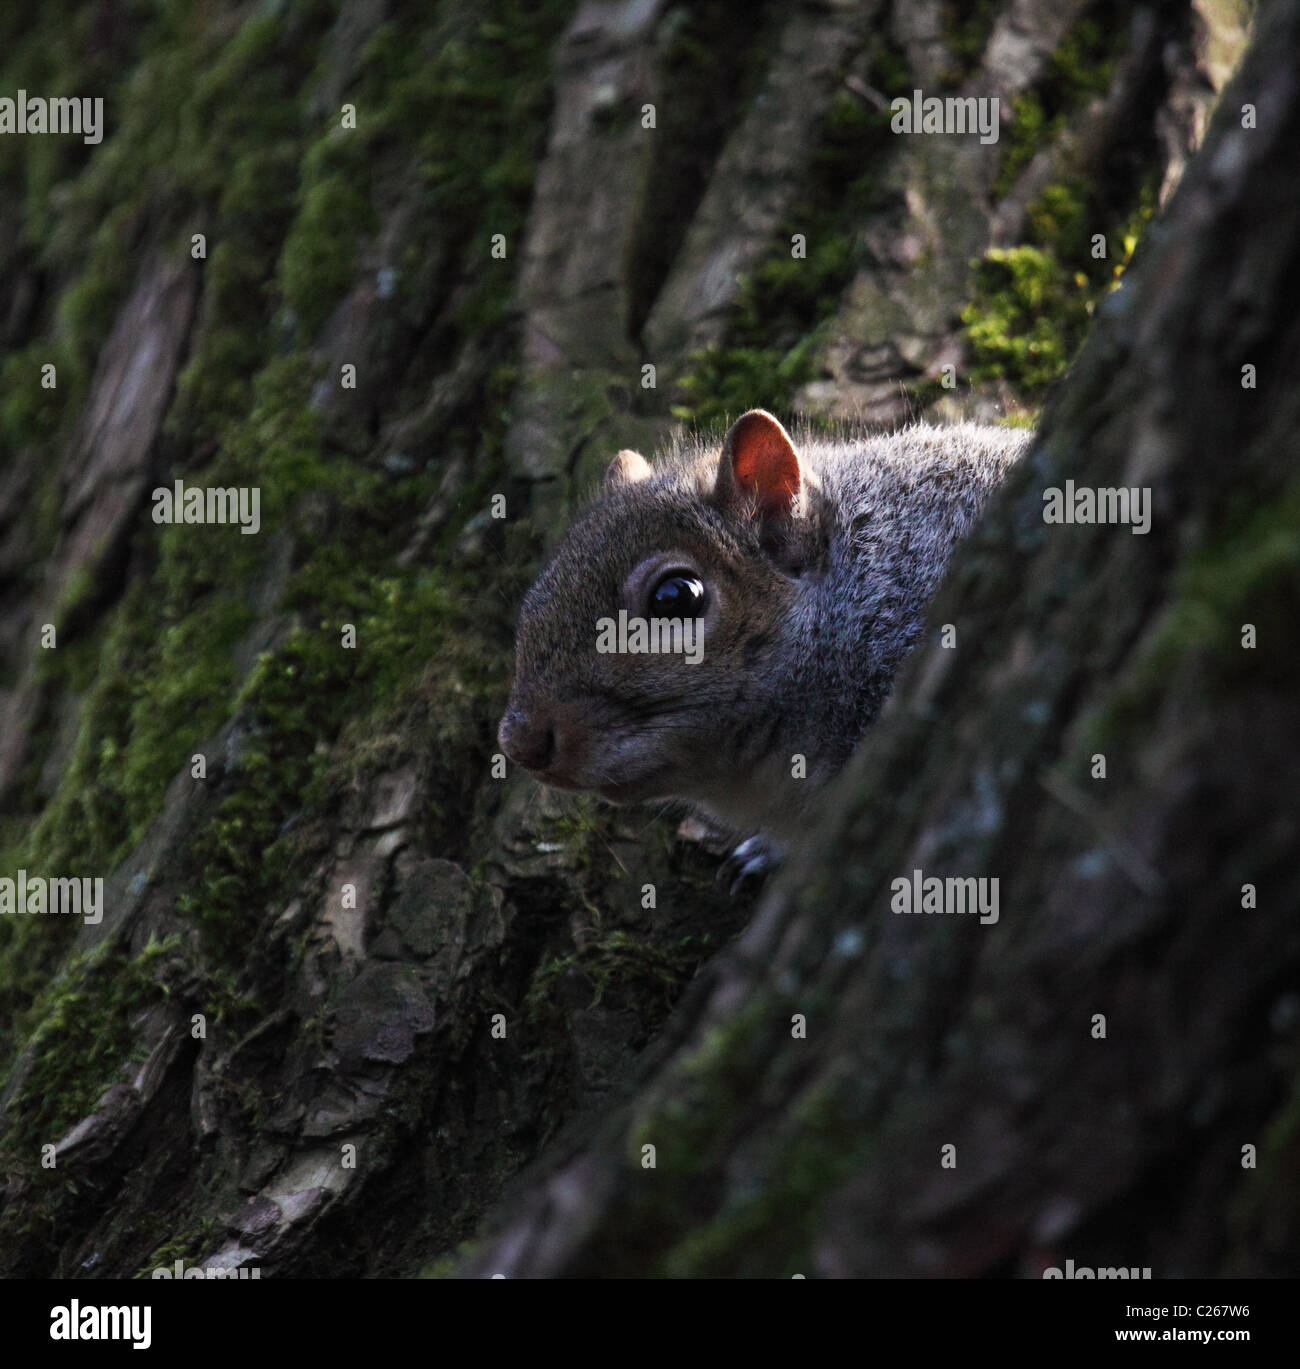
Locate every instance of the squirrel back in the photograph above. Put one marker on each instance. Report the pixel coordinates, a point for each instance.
(798, 580)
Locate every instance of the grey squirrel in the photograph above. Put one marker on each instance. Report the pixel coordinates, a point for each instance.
(807, 571)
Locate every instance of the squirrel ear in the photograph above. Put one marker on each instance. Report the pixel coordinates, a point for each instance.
(626, 469)
(759, 462)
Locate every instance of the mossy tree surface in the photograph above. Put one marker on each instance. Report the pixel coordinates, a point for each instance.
(1119, 1051)
(310, 936)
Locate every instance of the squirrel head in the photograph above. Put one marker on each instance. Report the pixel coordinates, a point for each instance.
(715, 540)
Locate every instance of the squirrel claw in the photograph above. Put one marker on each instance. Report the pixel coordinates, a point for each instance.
(753, 859)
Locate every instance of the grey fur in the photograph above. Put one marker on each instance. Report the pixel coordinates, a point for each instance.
(815, 615)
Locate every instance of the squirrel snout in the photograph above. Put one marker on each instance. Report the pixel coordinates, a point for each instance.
(529, 742)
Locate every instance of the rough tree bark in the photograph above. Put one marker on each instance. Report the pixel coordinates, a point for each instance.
(1122, 897)
(309, 937)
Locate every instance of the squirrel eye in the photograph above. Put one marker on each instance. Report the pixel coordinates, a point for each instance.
(677, 595)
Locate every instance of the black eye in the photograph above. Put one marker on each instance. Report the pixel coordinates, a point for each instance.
(677, 596)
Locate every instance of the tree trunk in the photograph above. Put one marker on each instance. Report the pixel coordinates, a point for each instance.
(1113, 1059)
(283, 1044)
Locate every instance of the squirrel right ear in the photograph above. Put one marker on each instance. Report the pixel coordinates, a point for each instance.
(626, 469)
(759, 463)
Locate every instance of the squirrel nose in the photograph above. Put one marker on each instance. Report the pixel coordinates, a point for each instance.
(530, 743)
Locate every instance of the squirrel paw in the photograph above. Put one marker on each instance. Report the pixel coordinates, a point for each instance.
(754, 859)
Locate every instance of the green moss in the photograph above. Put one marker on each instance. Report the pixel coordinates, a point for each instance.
(967, 26)
(218, 135)
(725, 381)
(182, 700)
(77, 596)
(1081, 68)
(318, 263)
(765, 1220)
(155, 690)
(926, 391)
(30, 413)
(1083, 65)
(474, 88)
(1031, 305)
(1057, 220)
(83, 1029)
(159, 673)
(294, 759)
(1061, 220)
(85, 824)
(186, 1247)
(303, 694)
(774, 336)
(55, 50)
(147, 701)
(1248, 572)
(618, 966)
(81, 1033)
(687, 1125)
(712, 67)
(213, 390)
(238, 862)
(87, 308)
(775, 1223)
(205, 120)
(1026, 318)
(1030, 130)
